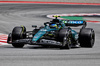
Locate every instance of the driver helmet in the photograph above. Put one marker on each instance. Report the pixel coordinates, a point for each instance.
(53, 26)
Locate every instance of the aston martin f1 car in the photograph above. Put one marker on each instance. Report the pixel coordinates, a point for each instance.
(54, 33)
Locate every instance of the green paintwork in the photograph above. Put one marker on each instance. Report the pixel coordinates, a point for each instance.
(47, 28)
(72, 17)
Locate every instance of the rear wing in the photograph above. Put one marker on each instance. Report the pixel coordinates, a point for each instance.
(75, 23)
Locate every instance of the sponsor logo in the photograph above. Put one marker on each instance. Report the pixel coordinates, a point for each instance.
(43, 30)
(76, 22)
(73, 22)
(49, 41)
(76, 36)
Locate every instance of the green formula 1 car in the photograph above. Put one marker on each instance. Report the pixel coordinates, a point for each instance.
(54, 33)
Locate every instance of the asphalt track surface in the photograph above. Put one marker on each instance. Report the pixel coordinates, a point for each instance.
(12, 15)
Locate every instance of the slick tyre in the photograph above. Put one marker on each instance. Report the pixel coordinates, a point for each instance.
(18, 33)
(65, 38)
(87, 37)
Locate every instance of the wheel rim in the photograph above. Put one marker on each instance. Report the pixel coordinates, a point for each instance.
(67, 42)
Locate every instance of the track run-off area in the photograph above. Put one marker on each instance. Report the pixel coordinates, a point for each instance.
(17, 14)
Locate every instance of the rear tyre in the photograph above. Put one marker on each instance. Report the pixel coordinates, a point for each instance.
(18, 33)
(87, 37)
(65, 37)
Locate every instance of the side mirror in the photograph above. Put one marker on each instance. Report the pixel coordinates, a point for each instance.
(34, 26)
(46, 23)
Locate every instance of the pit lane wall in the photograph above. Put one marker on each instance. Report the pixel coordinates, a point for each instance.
(77, 1)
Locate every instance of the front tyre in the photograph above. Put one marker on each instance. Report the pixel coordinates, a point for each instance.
(87, 37)
(65, 38)
(18, 33)
(17, 45)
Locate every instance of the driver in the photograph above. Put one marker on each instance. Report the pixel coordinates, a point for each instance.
(53, 26)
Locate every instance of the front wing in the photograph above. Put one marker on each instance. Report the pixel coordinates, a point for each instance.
(41, 42)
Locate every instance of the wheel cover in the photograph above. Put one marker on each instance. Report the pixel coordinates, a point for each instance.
(67, 41)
